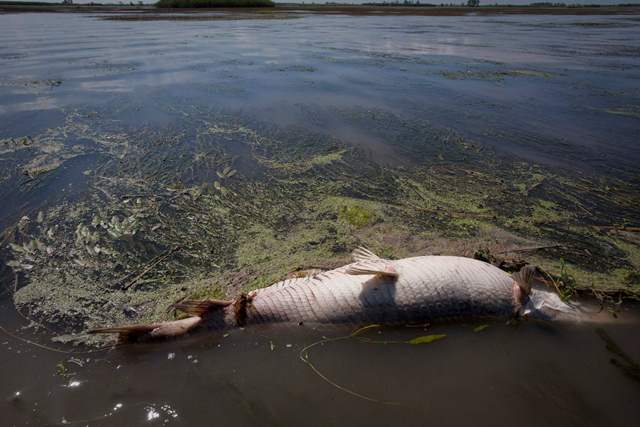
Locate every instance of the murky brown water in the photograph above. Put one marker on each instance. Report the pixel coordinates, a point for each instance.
(532, 374)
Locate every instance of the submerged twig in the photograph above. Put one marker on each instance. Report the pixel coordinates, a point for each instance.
(534, 248)
(48, 348)
(629, 366)
(304, 356)
(157, 260)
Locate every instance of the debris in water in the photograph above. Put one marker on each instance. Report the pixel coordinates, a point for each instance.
(625, 363)
(78, 362)
(426, 339)
(61, 369)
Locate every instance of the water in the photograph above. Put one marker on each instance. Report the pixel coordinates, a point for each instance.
(283, 71)
(236, 151)
(534, 373)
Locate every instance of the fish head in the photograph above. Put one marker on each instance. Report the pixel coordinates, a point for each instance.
(543, 303)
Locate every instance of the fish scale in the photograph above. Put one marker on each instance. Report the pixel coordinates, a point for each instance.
(427, 288)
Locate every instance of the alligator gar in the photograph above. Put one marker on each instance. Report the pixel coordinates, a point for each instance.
(374, 290)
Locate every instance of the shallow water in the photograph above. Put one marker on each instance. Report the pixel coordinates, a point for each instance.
(535, 373)
(300, 71)
(106, 119)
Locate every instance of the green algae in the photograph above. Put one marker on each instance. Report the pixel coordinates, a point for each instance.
(225, 205)
(357, 216)
(304, 165)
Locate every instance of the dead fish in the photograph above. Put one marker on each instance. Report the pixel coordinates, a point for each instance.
(375, 290)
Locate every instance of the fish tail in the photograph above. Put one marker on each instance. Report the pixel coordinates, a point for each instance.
(127, 333)
(132, 333)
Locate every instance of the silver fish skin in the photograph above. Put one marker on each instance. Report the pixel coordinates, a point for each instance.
(423, 289)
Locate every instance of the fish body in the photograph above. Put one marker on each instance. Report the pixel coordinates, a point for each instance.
(372, 290)
(423, 289)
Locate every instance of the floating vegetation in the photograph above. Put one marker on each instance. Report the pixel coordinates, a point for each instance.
(496, 75)
(221, 204)
(426, 339)
(227, 172)
(297, 68)
(31, 84)
(356, 215)
(630, 111)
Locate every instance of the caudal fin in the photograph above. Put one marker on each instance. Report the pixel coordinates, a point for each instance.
(127, 333)
(132, 333)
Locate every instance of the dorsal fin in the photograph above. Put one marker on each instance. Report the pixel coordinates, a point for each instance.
(363, 254)
(366, 262)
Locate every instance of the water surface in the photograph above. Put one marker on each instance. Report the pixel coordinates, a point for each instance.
(544, 373)
(228, 153)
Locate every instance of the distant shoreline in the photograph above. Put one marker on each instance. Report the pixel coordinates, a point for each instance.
(148, 12)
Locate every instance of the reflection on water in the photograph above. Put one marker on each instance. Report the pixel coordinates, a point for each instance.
(271, 68)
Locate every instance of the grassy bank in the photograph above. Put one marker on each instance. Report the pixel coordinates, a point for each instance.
(192, 4)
